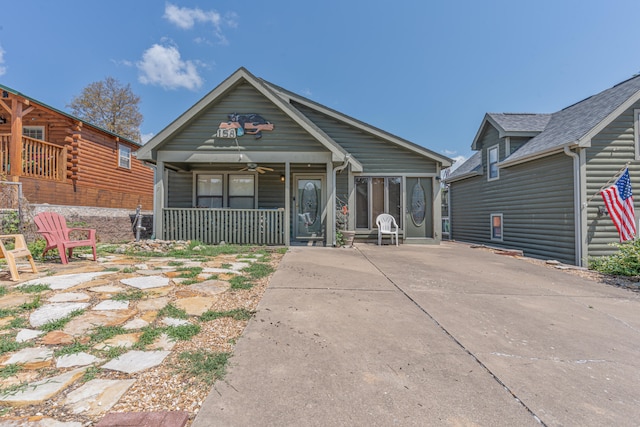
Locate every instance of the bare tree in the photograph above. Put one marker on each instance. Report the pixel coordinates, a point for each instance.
(110, 105)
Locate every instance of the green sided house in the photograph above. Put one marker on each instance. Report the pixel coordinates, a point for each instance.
(534, 182)
(252, 163)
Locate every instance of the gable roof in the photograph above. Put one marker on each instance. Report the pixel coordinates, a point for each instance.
(577, 124)
(512, 124)
(471, 167)
(84, 122)
(281, 98)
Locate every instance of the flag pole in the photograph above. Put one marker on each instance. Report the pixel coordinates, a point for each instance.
(616, 176)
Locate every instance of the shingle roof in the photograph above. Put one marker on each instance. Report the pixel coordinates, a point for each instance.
(521, 122)
(574, 122)
(473, 165)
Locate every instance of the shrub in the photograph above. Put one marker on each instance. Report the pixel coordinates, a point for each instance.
(625, 262)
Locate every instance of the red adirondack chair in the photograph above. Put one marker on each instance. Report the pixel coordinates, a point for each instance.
(53, 228)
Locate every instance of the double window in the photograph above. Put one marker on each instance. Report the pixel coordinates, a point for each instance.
(35, 132)
(376, 195)
(240, 191)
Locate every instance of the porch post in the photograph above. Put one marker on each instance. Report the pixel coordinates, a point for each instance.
(15, 144)
(287, 203)
(158, 199)
(330, 206)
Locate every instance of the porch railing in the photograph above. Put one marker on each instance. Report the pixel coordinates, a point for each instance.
(237, 226)
(40, 159)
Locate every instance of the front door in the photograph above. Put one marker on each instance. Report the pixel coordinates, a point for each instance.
(419, 213)
(309, 205)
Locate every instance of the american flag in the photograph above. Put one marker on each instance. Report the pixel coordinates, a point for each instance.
(619, 202)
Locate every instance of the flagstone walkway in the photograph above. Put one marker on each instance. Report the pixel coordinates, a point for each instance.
(83, 340)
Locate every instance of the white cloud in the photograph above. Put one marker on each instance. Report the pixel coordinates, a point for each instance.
(3, 69)
(458, 161)
(145, 137)
(186, 18)
(162, 66)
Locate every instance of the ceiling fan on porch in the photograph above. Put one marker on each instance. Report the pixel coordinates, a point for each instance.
(253, 167)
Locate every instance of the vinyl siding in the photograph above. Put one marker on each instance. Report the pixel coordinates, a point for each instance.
(536, 201)
(180, 189)
(197, 135)
(610, 150)
(375, 155)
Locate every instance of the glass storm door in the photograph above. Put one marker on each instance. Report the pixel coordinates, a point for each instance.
(309, 204)
(419, 217)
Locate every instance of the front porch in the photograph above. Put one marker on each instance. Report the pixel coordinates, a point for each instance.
(37, 158)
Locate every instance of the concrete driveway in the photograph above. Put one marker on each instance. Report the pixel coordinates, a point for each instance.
(431, 335)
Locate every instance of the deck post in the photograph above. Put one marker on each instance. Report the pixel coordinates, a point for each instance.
(330, 207)
(287, 203)
(158, 200)
(15, 144)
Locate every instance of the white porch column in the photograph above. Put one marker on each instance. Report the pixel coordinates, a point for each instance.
(330, 235)
(158, 199)
(287, 203)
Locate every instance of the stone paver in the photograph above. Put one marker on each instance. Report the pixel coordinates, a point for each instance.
(97, 396)
(39, 422)
(162, 343)
(148, 282)
(153, 303)
(54, 311)
(77, 359)
(107, 289)
(136, 323)
(170, 321)
(112, 305)
(58, 338)
(70, 297)
(13, 300)
(123, 340)
(30, 358)
(90, 320)
(136, 361)
(195, 306)
(65, 281)
(211, 287)
(40, 391)
(27, 335)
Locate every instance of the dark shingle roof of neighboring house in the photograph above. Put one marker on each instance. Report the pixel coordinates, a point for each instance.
(521, 122)
(575, 124)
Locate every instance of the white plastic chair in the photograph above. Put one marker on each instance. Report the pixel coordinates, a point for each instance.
(387, 225)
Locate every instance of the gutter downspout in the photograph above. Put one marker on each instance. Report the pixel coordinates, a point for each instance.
(333, 193)
(577, 206)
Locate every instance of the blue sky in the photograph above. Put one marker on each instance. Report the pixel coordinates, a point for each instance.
(426, 71)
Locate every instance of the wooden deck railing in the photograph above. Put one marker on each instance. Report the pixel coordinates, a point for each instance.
(237, 226)
(40, 159)
(4, 153)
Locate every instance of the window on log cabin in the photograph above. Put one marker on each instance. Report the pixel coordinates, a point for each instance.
(124, 156)
(35, 132)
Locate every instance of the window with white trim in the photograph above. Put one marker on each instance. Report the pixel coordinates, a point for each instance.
(209, 191)
(35, 132)
(496, 227)
(124, 156)
(492, 163)
(242, 191)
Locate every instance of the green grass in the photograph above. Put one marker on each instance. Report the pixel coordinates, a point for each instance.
(34, 289)
(3, 291)
(128, 270)
(132, 295)
(258, 270)
(226, 265)
(188, 282)
(56, 325)
(10, 370)
(14, 389)
(113, 352)
(111, 269)
(18, 323)
(90, 374)
(182, 332)
(74, 348)
(237, 314)
(31, 305)
(149, 335)
(175, 263)
(103, 333)
(6, 312)
(189, 272)
(203, 365)
(240, 282)
(172, 311)
(8, 344)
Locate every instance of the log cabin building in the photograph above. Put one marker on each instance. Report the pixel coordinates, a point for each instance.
(62, 160)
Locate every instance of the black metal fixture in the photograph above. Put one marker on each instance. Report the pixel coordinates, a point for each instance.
(3, 120)
(602, 211)
(5, 94)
